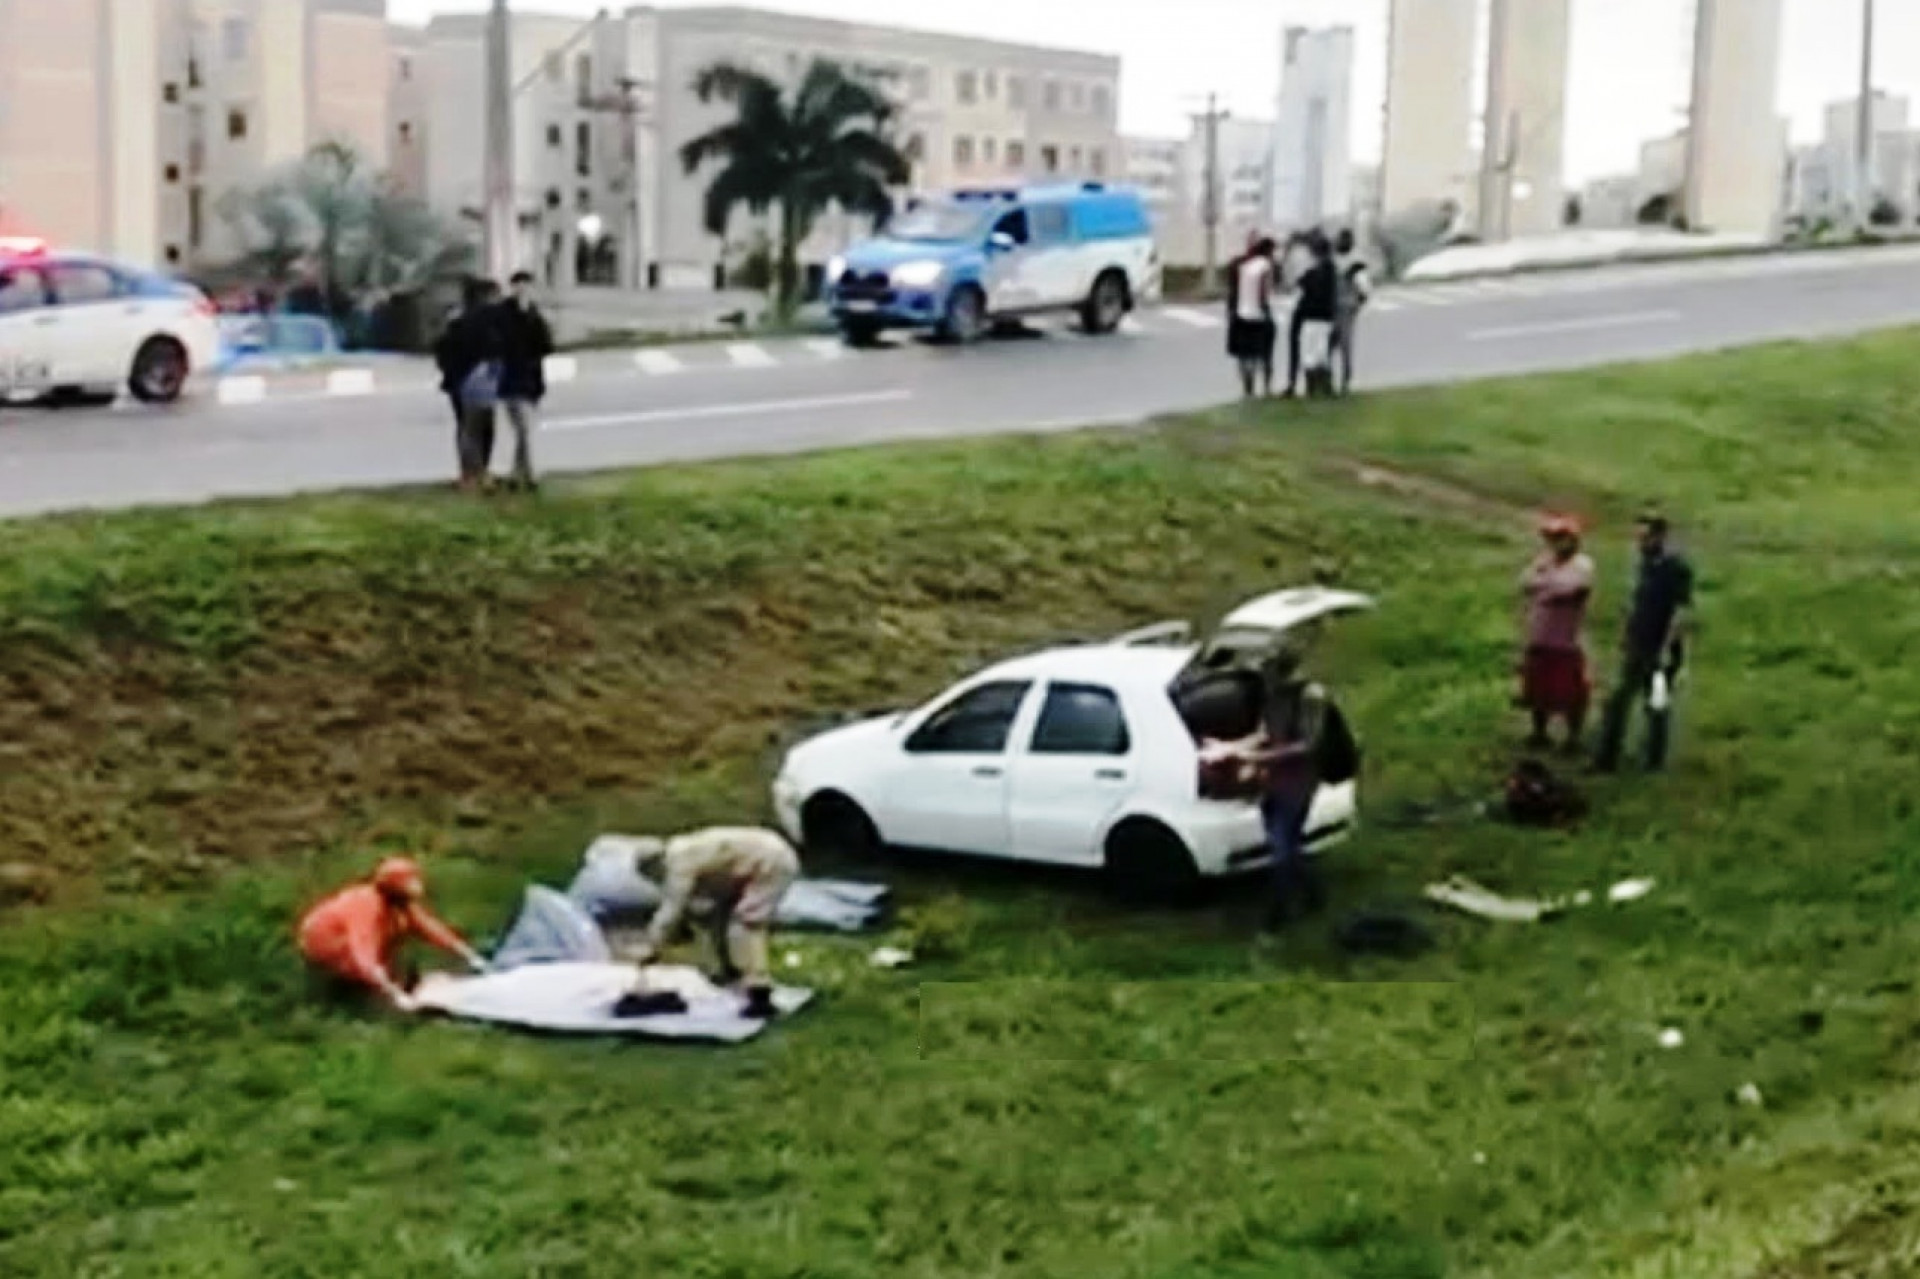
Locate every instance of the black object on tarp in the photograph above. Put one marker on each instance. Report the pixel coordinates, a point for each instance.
(651, 1004)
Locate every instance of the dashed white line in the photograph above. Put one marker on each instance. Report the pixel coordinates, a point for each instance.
(241, 390)
(748, 355)
(827, 348)
(658, 363)
(350, 382)
(562, 368)
(1195, 319)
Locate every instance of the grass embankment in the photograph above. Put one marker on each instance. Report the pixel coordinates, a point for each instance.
(276, 690)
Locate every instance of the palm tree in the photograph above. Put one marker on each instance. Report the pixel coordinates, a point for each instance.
(826, 143)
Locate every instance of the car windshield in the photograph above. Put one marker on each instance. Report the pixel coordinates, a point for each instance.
(937, 223)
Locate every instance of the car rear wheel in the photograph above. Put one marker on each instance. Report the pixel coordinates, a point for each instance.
(966, 316)
(1149, 865)
(861, 333)
(1106, 306)
(835, 826)
(159, 371)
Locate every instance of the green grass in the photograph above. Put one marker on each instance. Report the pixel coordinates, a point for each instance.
(209, 715)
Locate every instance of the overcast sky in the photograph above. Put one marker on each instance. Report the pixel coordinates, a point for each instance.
(1629, 76)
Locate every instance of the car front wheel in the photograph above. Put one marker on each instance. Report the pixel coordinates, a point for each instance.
(159, 371)
(966, 316)
(1106, 306)
(835, 826)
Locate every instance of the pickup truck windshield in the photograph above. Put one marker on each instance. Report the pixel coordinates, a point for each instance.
(937, 224)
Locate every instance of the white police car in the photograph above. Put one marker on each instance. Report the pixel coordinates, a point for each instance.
(958, 263)
(70, 322)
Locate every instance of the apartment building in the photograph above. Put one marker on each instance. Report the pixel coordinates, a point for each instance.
(124, 123)
(1156, 167)
(1428, 155)
(602, 108)
(407, 104)
(1312, 166)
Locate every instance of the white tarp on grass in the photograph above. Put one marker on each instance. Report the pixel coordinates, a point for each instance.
(578, 998)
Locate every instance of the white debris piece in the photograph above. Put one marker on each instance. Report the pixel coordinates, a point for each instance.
(1671, 1037)
(891, 957)
(1749, 1095)
(1629, 890)
(791, 959)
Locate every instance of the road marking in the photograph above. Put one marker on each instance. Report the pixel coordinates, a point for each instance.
(241, 390)
(350, 382)
(1383, 305)
(827, 348)
(1195, 319)
(561, 368)
(745, 408)
(657, 363)
(1622, 321)
(746, 355)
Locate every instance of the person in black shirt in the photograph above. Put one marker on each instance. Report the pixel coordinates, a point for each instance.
(465, 344)
(525, 343)
(1653, 646)
(1318, 302)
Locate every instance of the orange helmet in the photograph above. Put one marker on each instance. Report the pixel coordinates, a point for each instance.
(400, 877)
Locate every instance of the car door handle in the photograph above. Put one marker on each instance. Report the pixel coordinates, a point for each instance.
(986, 770)
(1111, 775)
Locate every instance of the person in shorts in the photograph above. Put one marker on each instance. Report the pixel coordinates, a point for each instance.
(1556, 590)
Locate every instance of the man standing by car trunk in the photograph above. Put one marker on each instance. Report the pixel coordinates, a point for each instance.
(1292, 719)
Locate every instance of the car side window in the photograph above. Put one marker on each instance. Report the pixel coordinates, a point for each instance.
(1013, 226)
(1050, 223)
(21, 290)
(977, 722)
(77, 283)
(1081, 719)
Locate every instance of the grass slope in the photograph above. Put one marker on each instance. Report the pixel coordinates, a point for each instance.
(1069, 1089)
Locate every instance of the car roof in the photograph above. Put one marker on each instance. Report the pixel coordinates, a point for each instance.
(1115, 665)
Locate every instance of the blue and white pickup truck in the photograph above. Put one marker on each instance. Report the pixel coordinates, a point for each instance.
(958, 263)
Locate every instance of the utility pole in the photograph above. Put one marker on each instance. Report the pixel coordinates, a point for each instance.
(1210, 198)
(1863, 125)
(501, 219)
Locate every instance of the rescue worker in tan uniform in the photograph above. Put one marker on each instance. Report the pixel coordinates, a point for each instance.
(742, 872)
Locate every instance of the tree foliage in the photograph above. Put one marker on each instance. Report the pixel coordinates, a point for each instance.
(826, 143)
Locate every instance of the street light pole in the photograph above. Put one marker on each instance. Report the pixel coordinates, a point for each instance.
(501, 222)
(1863, 124)
(1210, 197)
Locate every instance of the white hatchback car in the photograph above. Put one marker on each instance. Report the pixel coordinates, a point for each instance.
(1087, 756)
(71, 322)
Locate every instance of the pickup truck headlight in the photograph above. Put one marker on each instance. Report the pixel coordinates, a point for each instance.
(836, 267)
(918, 275)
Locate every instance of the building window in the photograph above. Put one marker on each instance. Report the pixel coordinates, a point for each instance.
(1050, 95)
(1017, 92)
(1050, 159)
(236, 123)
(170, 92)
(173, 255)
(233, 39)
(1077, 97)
(1102, 100)
(194, 215)
(406, 69)
(583, 149)
(193, 72)
(966, 88)
(916, 150)
(1073, 160)
(553, 198)
(989, 150)
(173, 173)
(406, 132)
(1097, 162)
(992, 85)
(583, 76)
(583, 200)
(963, 152)
(553, 137)
(1016, 156)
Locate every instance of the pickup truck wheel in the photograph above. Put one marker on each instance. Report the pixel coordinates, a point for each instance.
(159, 371)
(1106, 306)
(1149, 865)
(835, 826)
(966, 317)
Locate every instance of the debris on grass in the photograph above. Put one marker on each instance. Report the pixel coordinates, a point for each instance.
(1629, 890)
(890, 957)
(1749, 1095)
(1671, 1038)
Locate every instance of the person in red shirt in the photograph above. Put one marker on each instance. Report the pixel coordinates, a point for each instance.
(1555, 591)
(353, 936)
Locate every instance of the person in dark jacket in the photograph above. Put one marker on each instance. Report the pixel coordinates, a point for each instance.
(1318, 304)
(525, 343)
(464, 345)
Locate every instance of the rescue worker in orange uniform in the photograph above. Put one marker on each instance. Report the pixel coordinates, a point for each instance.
(354, 935)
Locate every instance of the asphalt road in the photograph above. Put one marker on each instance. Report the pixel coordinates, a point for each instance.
(714, 400)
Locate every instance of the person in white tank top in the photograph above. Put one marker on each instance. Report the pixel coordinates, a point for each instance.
(1250, 324)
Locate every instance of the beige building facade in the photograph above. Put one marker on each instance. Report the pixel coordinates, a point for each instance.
(1737, 149)
(1428, 153)
(1523, 184)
